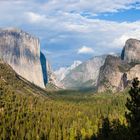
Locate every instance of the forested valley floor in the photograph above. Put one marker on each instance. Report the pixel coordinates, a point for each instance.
(66, 116)
(29, 113)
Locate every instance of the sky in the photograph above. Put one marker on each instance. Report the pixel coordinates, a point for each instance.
(71, 30)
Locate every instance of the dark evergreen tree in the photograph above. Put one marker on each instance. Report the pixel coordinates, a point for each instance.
(133, 105)
(105, 131)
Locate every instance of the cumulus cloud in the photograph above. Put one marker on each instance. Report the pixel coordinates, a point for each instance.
(85, 50)
(120, 41)
(63, 25)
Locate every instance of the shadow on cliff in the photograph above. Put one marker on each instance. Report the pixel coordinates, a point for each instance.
(44, 67)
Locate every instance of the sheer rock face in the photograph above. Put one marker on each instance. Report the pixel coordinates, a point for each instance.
(44, 67)
(48, 74)
(116, 73)
(110, 75)
(22, 52)
(131, 51)
(84, 75)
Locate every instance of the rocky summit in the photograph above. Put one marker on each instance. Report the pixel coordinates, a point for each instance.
(22, 52)
(117, 72)
(131, 51)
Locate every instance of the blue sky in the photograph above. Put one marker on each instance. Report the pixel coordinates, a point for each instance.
(72, 30)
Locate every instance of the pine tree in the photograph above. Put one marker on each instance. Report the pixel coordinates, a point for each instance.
(133, 105)
(105, 131)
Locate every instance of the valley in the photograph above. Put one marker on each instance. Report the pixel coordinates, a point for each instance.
(66, 115)
(69, 69)
(87, 101)
(29, 112)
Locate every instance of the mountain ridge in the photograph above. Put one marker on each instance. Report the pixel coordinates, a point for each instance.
(106, 72)
(84, 76)
(113, 73)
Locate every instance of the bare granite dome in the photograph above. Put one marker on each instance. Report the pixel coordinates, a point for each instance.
(131, 51)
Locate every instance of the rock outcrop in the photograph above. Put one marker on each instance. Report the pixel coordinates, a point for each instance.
(52, 79)
(133, 72)
(116, 73)
(22, 52)
(84, 75)
(110, 75)
(131, 51)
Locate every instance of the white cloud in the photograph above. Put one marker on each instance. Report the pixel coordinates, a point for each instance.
(85, 50)
(93, 6)
(35, 18)
(62, 26)
(120, 41)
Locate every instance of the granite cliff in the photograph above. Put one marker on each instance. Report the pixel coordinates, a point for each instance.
(22, 52)
(117, 72)
(112, 73)
(131, 51)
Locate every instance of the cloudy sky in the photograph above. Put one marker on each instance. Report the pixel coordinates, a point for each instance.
(72, 30)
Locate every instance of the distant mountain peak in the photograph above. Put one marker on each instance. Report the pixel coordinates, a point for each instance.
(84, 75)
(63, 71)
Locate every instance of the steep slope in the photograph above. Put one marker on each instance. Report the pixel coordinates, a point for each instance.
(85, 75)
(116, 73)
(12, 81)
(22, 52)
(110, 74)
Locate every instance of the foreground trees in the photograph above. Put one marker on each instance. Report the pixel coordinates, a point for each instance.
(133, 105)
(114, 130)
(69, 117)
(66, 117)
